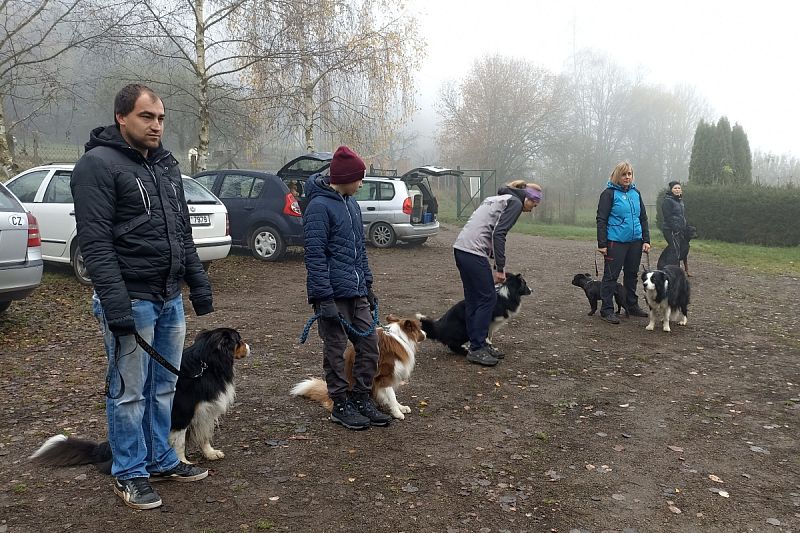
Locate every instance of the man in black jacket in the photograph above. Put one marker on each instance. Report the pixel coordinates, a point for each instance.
(136, 240)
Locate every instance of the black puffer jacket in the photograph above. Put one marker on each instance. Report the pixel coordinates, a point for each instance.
(674, 213)
(133, 227)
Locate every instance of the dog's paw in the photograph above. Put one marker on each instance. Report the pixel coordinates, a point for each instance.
(213, 455)
(667, 328)
(404, 409)
(683, 322)
(182, 458)
(590, 313)
(650, 327)
(398, 415)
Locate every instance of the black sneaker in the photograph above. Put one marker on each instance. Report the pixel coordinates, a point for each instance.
(496, 352)
(183, 472)
(637, 311)
(482, 356)
(366, 407)
(137, 493)
(610, 317)
(346, 414)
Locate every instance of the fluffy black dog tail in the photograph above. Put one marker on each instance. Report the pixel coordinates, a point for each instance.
(60, 450)
(428, 326)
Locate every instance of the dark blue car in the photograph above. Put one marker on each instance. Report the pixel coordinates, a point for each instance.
(263, 207)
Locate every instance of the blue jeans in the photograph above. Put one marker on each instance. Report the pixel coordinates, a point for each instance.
(139, 420)
(480, 296)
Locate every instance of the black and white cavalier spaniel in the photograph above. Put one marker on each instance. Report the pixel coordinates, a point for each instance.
(667, 294)
(197, 407)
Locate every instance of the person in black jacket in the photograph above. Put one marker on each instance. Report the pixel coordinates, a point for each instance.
(136, 240)
(673, 226)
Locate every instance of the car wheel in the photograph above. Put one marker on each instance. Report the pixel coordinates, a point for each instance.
(267, 244)
(79, 267)
(416, 242)
(4, 306)
(382, 235)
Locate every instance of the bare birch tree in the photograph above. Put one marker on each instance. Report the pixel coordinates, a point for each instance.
(349, 73)
(34, 34)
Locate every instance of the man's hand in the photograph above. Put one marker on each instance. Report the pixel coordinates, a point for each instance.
(122, 328)
(499, 277)
(646, 247)
(327, 309)
(603, 251)
(372, 299)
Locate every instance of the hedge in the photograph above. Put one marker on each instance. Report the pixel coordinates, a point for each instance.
(751, 214)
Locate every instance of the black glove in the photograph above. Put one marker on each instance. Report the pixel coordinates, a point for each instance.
(122, 327)
(327, 309)
(203, 306)
(372, 299)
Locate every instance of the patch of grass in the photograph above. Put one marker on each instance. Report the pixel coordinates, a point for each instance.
(19, 488)
(542, 436)
(761, 259)
(264, 523)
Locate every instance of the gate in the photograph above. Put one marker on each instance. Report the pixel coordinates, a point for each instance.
(472, 186)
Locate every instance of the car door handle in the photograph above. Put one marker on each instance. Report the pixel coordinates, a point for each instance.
(370, 209)
(248, 208)
(72, 213)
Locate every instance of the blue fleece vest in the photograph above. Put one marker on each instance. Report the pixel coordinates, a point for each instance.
(623, 221)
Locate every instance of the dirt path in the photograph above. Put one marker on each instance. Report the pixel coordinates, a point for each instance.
(584, 426)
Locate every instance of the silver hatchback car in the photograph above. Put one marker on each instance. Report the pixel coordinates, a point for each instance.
(20, 250)
(394, 208)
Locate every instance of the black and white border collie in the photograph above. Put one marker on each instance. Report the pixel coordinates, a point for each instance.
(196, 409)
(451, 328)
(667, 294)
(397, 354)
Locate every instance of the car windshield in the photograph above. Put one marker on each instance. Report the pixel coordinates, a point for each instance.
(197, 194)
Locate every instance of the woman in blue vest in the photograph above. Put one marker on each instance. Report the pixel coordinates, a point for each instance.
(622, 236)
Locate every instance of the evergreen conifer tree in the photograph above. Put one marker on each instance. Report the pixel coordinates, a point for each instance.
(742, 157)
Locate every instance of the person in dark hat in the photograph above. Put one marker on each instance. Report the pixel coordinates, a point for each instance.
(673, 226)
(339, 283)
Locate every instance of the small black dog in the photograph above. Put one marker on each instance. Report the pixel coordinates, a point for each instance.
(451, 328)
(592, 290)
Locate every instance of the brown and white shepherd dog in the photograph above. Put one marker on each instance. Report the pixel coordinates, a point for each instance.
(397, 351)
(198, 404)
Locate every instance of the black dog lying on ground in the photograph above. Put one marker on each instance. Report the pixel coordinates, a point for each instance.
(593, 294)
(451, 328)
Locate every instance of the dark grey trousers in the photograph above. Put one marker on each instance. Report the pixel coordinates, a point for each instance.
(334, 342)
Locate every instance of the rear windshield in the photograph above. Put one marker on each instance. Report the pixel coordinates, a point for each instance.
(197, 194)
(8, 203)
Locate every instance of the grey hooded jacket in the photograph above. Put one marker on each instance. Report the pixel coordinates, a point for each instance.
(485, 232)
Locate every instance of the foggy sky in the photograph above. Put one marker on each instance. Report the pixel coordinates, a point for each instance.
(741, 56)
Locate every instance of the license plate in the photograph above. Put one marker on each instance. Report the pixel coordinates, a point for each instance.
(200, 220)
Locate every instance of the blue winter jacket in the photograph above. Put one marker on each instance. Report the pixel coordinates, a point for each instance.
(621, 216)
(335, 256)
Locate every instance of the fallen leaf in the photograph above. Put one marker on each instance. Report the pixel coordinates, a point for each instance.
(351, 479)
(773, 521)
(712, 477)
(674, 509)
(619, 448)
(274, 498)
(675, 448)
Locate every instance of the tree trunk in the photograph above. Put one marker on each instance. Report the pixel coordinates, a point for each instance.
(5, 152)
(200, 50)
(308, 101)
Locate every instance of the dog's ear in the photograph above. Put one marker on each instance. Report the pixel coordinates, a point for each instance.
(392, 318)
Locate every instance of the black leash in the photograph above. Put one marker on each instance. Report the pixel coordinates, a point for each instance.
(152, 352)
(596, 270)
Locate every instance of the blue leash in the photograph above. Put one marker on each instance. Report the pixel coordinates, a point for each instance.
(347, 325)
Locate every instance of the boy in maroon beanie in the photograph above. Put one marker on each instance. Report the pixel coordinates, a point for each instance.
(339, 282)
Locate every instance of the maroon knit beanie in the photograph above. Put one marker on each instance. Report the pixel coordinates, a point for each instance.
(346, 167)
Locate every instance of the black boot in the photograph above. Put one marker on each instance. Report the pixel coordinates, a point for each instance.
(367, 408)
(346, 414)
(635, 310)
